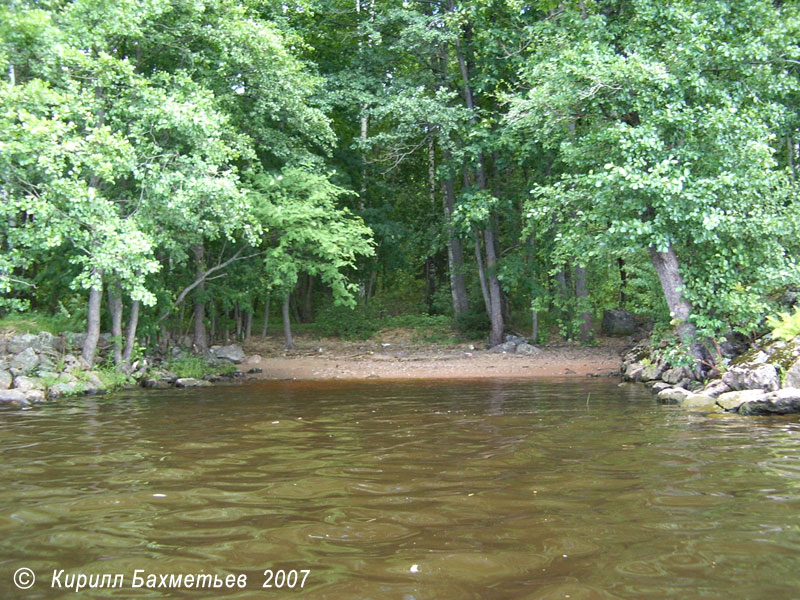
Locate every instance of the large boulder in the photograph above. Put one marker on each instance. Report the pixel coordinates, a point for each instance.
(47, 343)
(715, 388)
(6, 379)
(25, 361)
(35, 396)
(699, 402)
(674, 375)
(781, 402)
(190, 382)
(67, 388)
(731, 401)
(752, 377)
(509, 347)
(618, 321)
(673, 395)
(633, 371)
(75, 340)
(651, 372)
(13, 397)
(20, 342)
(233, 353)
(527, 349)
(792, 378)
(26, 384)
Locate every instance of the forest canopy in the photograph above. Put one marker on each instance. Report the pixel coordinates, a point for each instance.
(515, 166)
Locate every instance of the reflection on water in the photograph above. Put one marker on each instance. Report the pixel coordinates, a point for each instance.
(407, 490)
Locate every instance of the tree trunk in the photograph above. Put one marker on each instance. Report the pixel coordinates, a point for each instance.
(293, 306)
(667, 268)
(493, 283)
(213, 334)
(582, 295)
(200, 337)
(534, 326)
(266, 317)
(308, 297)
(482, 273)
(115, 308)
(130, 341)
(455, 251)
(623, 283)
(248, 321)
(430, 279)
(287, 325)
(495, 296)
(237, 320)
(93, 318)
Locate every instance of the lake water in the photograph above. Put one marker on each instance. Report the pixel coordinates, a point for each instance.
(402, 490)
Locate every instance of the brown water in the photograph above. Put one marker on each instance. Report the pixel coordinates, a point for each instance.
(410, 491)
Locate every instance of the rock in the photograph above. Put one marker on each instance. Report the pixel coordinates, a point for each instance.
(46, 363)
(75, 340)
(104, 341)
(514, 338)
(731, 401)
(27, 384)
(12, 397)
(47, 343)
(35, 396)
(618, 321)
(93, 384)
(527, 349)
(673, 395)
(26, 361)
(715, 388)
(6, 379)
(67, 388)
(504, 347)
(190, 382)
(156, 384)
(659, 386)
(255, 370)
(21, 342)
(43, 374)
(633, 371)
(752, 377)
(699, 402)
(781, 402)
(255, 359)
(651, 372)
(166, 376)
(792, 378)
(233, 353)
(71, 363)
(673, 375)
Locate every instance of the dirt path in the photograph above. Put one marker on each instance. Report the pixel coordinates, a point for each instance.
(334, 359)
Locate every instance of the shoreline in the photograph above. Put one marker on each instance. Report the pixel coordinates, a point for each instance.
(388, 361)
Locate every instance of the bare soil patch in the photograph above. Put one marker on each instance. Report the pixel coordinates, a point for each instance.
(394, 355)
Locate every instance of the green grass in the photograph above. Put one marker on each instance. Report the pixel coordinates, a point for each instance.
(34, 322)
(196, 367)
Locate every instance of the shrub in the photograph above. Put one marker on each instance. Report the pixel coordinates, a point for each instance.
(347, 323)
(474, 323)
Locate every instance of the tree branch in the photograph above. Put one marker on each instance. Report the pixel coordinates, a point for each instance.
(182, 296)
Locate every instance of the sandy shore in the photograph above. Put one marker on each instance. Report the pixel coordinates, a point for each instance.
(332, 359)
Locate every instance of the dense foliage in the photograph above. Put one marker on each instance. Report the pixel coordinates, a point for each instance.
(509, 165)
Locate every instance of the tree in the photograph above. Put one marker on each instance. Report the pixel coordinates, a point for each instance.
(666, 147)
